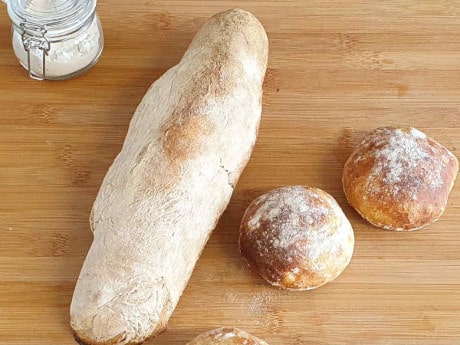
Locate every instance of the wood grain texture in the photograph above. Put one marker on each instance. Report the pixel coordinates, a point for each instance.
(337, 69)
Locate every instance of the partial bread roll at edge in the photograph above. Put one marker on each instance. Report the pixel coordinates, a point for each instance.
(226, 336)
(187, 144)
(399, 178)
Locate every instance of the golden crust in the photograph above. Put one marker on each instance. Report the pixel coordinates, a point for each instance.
(399, 179)
(296, 237)
(226, 336)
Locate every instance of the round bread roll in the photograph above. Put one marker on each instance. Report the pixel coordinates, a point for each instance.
(296, 237)
(226, 336)
(399, 179)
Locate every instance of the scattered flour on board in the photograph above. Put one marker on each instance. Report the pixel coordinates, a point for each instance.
(403, 155)
(231, 297)
(260, 303)
(264, 308)
(260, 306)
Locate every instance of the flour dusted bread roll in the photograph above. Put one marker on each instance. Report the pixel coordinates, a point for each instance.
(296, 237)
(399, 179)
(187, 144)
(226, 336)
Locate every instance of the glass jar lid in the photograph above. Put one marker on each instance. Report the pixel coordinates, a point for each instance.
(59, 17)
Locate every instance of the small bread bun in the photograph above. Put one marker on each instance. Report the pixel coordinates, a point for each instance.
(296, 237)
(226, 336)
(399, 179)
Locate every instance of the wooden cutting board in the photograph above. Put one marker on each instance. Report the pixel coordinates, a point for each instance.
(337, 69)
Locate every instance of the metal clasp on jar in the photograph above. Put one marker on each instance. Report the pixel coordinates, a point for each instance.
(35, 40)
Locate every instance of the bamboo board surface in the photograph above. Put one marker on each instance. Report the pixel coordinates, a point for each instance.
(337, 69)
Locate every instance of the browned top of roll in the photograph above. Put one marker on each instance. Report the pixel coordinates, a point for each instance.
(399, 178)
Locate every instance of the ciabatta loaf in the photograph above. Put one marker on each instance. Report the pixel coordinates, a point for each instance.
(187, 144)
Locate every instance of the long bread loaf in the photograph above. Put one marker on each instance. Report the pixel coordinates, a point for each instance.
(187, 144)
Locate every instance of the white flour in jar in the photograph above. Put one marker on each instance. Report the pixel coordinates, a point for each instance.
(65, 57)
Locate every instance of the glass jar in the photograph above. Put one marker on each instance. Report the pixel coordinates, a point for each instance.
(55, 39)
